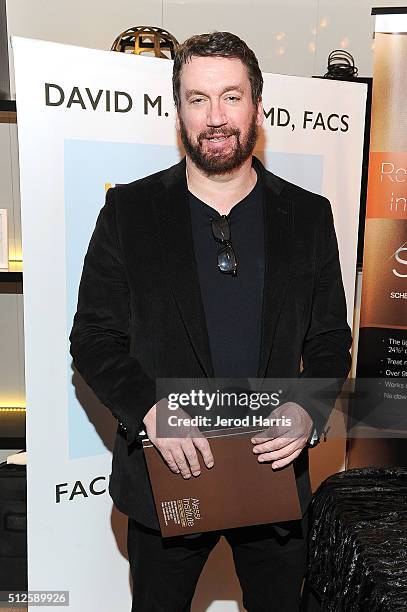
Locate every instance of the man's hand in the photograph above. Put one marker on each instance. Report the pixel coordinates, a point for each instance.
(179, 452)
(282, 443)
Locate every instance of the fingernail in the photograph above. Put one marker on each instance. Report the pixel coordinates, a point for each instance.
(186, 476)
(253, 440)
(210, 464)
(260, 459)
(196, 473)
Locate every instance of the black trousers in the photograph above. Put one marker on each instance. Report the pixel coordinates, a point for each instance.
(270, 567)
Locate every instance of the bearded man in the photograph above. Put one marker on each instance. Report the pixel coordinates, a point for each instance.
(214, 267)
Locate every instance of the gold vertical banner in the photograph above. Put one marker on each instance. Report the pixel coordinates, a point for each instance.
(382, 349)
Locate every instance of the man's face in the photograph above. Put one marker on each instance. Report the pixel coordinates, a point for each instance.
(217, 120)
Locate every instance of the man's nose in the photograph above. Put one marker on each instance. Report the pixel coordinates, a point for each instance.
(216, 116)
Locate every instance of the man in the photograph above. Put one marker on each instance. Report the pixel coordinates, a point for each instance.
(214, 267)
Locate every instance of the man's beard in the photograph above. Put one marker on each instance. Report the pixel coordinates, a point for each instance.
(218, 162)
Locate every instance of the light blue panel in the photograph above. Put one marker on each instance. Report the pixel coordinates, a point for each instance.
(88, 166)
(302, 169)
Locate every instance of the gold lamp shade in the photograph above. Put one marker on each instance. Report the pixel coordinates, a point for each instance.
(146, 39)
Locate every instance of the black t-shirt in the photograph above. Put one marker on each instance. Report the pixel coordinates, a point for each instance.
(232, 304)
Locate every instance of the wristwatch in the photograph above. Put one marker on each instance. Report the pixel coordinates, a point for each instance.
(314, 439)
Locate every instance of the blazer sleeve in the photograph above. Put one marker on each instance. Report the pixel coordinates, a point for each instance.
(325, 355)
(101, 328)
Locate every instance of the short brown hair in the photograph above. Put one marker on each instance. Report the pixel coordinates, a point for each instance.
(217, 44)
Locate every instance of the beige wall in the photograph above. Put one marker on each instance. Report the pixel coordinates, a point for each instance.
(289, 36)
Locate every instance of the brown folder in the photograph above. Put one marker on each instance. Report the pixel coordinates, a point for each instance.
(238, 490)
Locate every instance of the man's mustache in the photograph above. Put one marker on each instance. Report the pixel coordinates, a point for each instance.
(218, 134)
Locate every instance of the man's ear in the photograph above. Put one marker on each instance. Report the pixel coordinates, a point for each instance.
(260, 113)
(177, 125)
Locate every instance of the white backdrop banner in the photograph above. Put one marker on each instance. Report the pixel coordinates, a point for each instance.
(88, 119)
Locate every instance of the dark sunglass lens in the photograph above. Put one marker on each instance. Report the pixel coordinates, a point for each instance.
(220, 228)
(227, 260)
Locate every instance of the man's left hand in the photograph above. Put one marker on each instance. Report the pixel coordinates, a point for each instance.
(282, 443)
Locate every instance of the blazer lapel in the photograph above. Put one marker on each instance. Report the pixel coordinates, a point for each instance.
(174, 220)
(278, 249)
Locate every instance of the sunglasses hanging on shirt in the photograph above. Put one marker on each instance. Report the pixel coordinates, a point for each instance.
(227, 263)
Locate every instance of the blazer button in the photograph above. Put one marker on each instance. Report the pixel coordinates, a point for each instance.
(122, 426)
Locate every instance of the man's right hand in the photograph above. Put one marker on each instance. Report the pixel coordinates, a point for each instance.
(180, 452)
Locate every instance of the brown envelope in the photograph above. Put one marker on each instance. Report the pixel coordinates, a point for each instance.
(238, 490)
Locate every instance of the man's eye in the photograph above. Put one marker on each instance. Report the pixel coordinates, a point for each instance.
(233, 98)
(196, 100)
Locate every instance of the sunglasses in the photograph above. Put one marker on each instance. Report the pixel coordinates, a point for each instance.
(227, 262)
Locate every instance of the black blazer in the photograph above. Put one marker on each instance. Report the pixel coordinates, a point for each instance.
(140, 315)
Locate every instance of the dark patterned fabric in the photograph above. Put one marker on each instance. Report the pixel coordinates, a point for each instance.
(358, 541)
